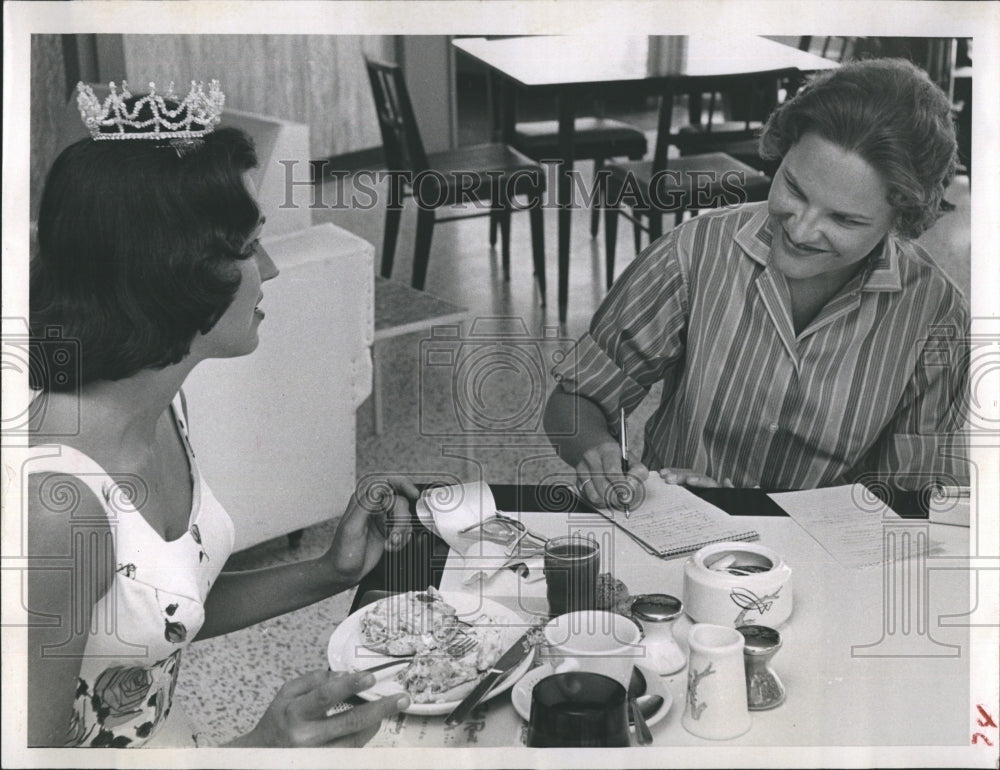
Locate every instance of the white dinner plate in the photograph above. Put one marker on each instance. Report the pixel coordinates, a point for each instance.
(346, 652)
(520, 696)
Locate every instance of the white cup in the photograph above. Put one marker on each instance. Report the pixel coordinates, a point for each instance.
(591, 640)
(716, 702)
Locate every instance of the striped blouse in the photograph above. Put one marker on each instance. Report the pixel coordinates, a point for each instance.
(875, 384)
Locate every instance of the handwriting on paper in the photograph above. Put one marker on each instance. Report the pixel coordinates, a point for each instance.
(852, 534)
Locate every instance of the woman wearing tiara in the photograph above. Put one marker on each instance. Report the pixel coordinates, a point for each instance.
(149, 262)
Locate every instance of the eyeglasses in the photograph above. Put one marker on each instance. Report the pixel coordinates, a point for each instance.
(510, 533)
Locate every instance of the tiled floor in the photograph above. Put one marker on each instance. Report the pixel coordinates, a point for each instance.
(227, 682)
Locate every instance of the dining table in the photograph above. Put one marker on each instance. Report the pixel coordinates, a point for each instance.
(572, 70)
(873, 657)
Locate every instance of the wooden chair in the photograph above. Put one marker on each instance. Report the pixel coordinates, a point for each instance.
(686, 183)
(486, 172)
(747, 102)
(836, 48)
(597, 138)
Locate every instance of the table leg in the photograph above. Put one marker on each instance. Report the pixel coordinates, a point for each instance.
(377, 417)
(567, 110)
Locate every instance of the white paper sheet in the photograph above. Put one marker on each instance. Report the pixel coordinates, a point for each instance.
(851, 524)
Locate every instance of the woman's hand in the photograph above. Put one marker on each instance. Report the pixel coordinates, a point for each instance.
(600, 480)
(377, 519)
(689, 478)
(297, 717)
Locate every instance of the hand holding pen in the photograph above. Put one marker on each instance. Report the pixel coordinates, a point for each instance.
(599, 474)
(623, 442)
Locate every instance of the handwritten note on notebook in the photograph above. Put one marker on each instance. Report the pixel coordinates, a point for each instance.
(848, 521)
(672, 521)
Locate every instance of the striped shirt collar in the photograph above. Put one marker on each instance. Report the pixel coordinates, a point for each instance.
(882, 273)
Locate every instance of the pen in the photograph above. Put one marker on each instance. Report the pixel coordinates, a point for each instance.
(623, 436)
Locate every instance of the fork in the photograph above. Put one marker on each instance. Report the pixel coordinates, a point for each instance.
(457, 649)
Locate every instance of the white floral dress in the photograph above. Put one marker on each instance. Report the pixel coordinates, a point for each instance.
(153, 609)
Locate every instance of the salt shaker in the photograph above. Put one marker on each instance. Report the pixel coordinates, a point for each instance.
(764, 689)
(656, 614)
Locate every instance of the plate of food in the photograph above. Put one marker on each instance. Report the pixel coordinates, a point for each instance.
(442, 644)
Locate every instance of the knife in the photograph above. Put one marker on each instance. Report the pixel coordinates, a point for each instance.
(514, 656)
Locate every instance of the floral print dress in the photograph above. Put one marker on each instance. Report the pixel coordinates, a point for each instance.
(153, 609)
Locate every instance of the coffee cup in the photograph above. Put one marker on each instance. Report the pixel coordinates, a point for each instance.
(578, 709)
(600, 642)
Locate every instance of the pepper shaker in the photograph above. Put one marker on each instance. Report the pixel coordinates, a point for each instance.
(764, 689)
(656, 614)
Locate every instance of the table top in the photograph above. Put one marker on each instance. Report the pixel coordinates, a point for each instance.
(587, 60)
(853, 674)
(401, 309)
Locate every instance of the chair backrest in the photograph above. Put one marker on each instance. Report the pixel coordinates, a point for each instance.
(838, 49)
(401, 142)
(764, 83)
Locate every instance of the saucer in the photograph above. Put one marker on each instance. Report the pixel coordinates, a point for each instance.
(520, 694)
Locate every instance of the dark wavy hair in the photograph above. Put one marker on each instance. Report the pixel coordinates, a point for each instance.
(890, 113)
(135, 253)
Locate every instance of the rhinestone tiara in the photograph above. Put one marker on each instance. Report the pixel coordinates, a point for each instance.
(150, 118)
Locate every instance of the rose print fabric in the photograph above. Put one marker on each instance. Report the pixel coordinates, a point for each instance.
(153, 609)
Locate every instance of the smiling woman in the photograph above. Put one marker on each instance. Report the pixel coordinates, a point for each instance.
(804, 342)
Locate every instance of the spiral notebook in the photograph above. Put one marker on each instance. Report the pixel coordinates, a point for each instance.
(671, 521)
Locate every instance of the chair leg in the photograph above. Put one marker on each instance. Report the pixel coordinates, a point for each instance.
(595, 212)
(392, 217)
(610, 243)
(655, 217)
(504, 217)
(494, 222)
(422, 251)
(538, 242)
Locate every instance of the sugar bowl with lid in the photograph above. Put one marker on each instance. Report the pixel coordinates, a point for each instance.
(736, 584)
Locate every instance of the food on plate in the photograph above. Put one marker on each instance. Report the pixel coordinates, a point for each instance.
(612, 594)
(435, 676)
(410, 623)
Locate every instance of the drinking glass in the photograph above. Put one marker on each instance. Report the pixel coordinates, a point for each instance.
(571, 567)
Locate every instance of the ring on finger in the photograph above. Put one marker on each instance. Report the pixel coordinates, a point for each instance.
(338, 708)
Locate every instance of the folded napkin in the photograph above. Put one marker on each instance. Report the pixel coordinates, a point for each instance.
(447, 511)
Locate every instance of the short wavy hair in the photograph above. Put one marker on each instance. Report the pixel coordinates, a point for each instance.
(136, 251)
(890, 113)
